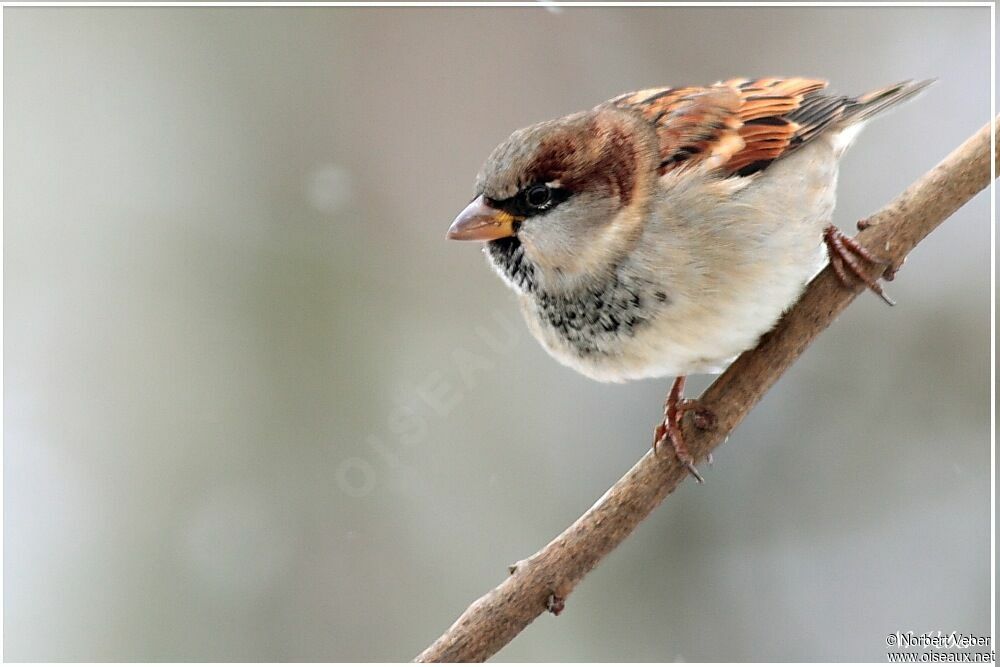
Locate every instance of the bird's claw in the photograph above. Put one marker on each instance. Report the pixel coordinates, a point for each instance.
(844, 254)
(674, 410)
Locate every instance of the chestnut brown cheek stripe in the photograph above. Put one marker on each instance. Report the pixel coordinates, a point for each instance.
(622, 158)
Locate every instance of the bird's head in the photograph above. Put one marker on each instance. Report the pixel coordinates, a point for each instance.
(563, 201)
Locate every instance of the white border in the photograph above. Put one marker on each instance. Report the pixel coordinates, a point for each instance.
(993, 326)
(535, 4)
(584, 4)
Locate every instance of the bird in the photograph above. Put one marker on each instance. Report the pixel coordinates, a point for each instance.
(663, 232)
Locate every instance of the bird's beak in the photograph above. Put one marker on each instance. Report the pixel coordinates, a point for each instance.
(481, 222)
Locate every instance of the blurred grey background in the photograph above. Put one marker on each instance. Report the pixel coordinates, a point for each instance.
(256, 408)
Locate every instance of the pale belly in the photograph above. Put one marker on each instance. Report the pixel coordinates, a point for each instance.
(728, 274)
(689, 335)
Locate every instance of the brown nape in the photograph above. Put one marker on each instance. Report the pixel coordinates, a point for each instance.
(595, 151)
(600, 155)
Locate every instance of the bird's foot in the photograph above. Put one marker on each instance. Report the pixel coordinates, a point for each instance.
(674, 410)
(845, 254)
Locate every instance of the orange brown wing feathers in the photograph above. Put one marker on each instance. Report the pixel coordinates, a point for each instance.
(692, 124)
(738, 126)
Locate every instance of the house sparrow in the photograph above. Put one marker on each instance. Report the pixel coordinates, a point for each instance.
(664, 231)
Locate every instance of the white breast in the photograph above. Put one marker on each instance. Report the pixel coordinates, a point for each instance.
(731, 255)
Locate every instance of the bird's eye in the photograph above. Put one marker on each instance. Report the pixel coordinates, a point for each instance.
(538, 196)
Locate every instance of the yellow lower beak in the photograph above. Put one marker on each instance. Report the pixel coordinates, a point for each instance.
(481, 222)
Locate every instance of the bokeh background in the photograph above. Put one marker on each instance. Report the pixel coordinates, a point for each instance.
(256, 407)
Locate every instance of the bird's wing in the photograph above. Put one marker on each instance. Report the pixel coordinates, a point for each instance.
(739, 126)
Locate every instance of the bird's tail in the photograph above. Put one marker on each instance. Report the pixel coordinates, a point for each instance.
(871, 104)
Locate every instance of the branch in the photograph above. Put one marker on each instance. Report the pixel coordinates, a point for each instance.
(551, 574)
